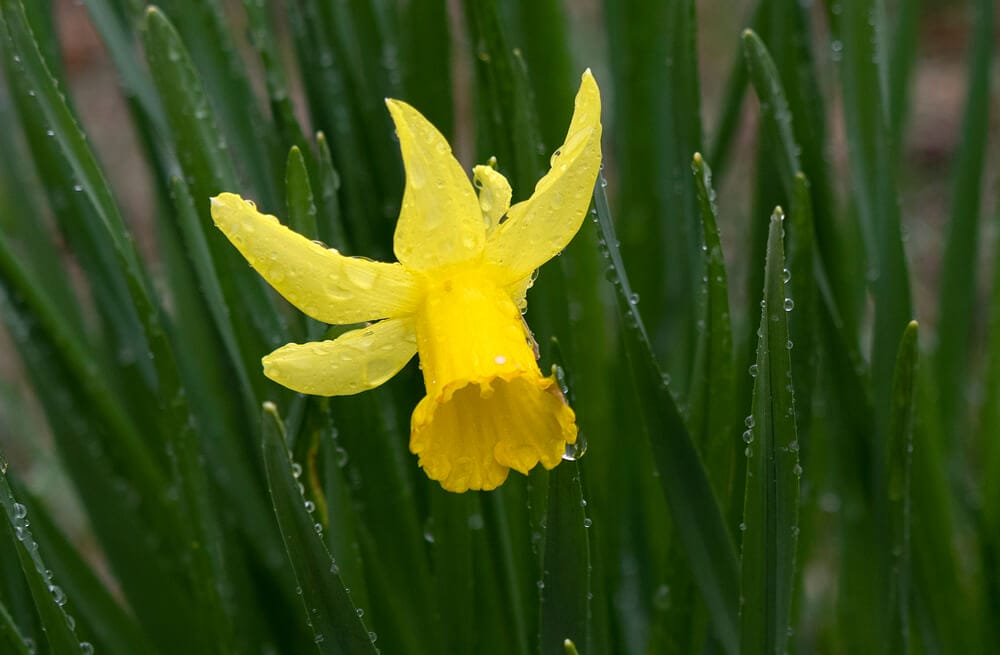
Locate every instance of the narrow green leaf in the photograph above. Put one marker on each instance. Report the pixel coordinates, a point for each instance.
(57, 626)
(958, 291)
(506, 104)
(455, 582)
(565, 592)
(331, 228)
(802, 324)
(334, 619)
(860, 28)
(775, 115)
(771, 503)
(242, 129)
(299, 196)
(426, 45)
(11, 636)
(208, 170)
(263, 40)
(208, 282)
(901, 63)
(899, 476)
(653, 56)
(695, 511)
(713, 384)
(565, 564)
(111, 628)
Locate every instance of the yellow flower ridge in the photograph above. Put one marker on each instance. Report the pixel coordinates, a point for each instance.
(455, 297)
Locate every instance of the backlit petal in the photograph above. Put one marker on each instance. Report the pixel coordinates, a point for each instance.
(353, 362)
(541, 226)
(440, 222)
(319, 281)
(494, 195)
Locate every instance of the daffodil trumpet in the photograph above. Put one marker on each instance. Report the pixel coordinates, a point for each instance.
(455, 296)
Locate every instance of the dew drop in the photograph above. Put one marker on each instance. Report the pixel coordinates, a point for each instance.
(20, 511)
(296, 469)
(587, 523)
(753, 370)
(748, 421)
(797, 470)
(743, 527)
(310, 506)
(748, 436)
(789, 304)
(575, 450)
(786, 274)
(318, 528)
(360, 612)
(86, 648)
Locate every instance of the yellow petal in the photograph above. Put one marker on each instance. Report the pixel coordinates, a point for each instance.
(494, 195)
(353, 362)
(320, 281)
(541, 226)
(488, 409)
(440, 222)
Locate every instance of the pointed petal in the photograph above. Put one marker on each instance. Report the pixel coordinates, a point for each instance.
(353, 362)
(319, 281)
(494, 195)
(440, 222)
(541, 226)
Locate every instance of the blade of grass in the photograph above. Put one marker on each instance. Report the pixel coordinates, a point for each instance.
(56, 624)
(658, 129)
(110, 627)
(958, 291)
(10, 635)
(693, 506)
(770, 515)
(713, 385)
(899, 476)
(565, 593)
(565, 590)
(860, 26)
(208, 170)
(336, 624)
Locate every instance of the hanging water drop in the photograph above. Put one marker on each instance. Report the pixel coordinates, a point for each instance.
(789, 304)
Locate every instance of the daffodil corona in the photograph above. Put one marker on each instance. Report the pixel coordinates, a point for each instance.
(455, 297)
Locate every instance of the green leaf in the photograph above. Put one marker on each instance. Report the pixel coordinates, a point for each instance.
(860, 27)
(57, 626)
(336, 624)
(10, 635)
(208, 170)
(899, 476)
(653, 56)
(771, 504)
(565, 593)
(957, 298)
(455, 582)
(713, 385)
(695, 511)
(299, 196)
(101, 617)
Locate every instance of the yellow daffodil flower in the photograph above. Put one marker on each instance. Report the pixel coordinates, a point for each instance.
(455, 297)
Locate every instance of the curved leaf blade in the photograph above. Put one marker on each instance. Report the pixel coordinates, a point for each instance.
(337, 627)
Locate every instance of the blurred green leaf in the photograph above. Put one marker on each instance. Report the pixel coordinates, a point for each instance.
(10, 635)
(957, 294)
(900, 477)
